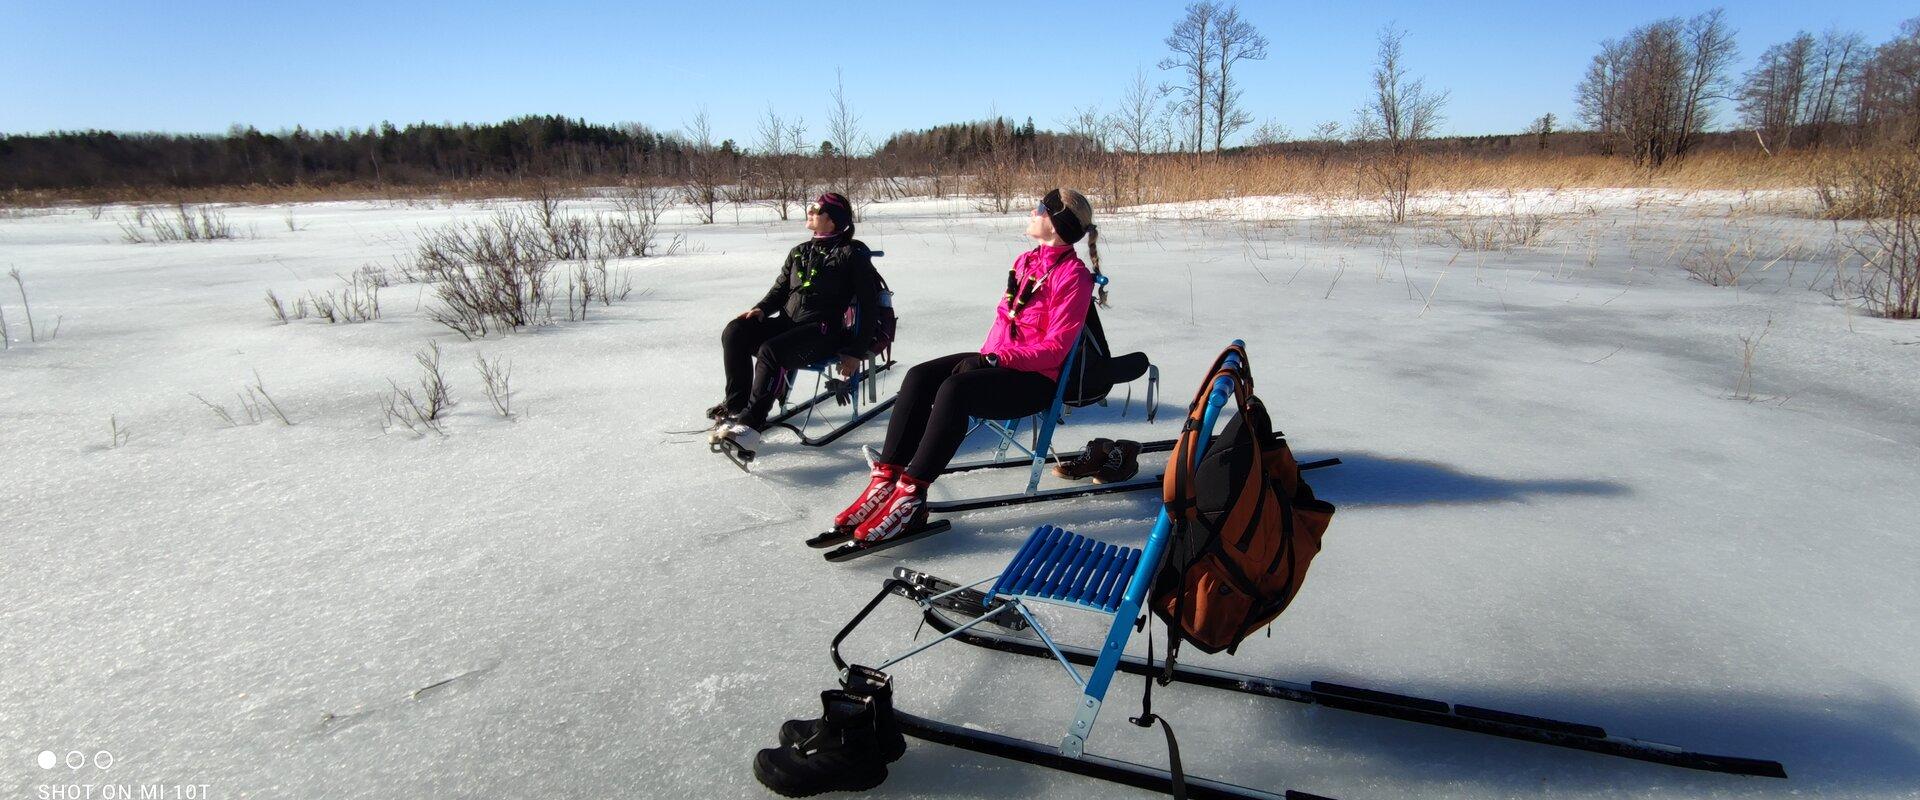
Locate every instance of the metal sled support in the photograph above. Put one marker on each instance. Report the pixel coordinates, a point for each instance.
(861, 383)
(1473, 719)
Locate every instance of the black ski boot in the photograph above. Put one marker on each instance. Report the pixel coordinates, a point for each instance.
(842, 754)
(867, 682)
(1123, 462)
(1089, 462)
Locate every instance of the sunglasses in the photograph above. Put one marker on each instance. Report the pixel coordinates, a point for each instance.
(814, 208)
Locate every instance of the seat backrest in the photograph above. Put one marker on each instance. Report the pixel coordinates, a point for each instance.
(1092, 376)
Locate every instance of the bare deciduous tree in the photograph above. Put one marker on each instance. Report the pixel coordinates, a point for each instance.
(1888, 88)
(1542, 129)
(1401, 112)
(843, 129)
(1652, 92)
(705, 168)
(1235, 40)
(1269, 132)
(1133, 120)
(782, 171)
(1192, 43)
(1772, 94)
(1835, 71)
(1087, 125)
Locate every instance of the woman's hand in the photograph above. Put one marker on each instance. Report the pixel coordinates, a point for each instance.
(972, 363)
(751, 313)
(849, 365)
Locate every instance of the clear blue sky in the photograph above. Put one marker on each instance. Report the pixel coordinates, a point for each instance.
(189, 66)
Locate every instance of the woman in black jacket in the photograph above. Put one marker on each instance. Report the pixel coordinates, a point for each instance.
(801, 321)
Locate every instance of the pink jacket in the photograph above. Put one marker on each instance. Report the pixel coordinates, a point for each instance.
(1038, 337)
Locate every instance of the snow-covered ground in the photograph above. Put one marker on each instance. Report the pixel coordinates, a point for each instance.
(1551, 502)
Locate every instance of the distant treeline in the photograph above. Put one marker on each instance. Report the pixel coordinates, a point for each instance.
(535, 146)
(565, 149)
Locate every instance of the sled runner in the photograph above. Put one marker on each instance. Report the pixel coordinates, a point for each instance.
(1061, 568)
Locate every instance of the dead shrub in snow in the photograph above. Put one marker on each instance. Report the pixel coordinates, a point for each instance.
(1715, 265)
(1865, 184)
(358, 300)
(33, 332)
(255, 406)
(596, 281)
(186, 223)
(1749, 345)
(497, 376)
(498, 275)
(1497, 233)
(489, 277)
(421, 412)
(121, 433)
(279, 309)
(1885, 191)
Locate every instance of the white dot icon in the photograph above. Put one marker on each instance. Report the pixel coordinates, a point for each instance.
(48, 760)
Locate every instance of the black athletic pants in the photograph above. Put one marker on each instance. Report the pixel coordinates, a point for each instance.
(930, 417)
(756, 349)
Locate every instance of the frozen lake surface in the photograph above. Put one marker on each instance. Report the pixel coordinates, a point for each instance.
(1562, 495)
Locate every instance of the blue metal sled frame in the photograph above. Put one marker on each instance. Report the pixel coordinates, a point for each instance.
(1060, 567)
(1056, 566)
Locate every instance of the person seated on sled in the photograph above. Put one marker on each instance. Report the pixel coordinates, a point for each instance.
(1012, 376)
(801, 320)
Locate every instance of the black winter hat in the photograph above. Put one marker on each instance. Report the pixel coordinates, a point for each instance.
(837, 208)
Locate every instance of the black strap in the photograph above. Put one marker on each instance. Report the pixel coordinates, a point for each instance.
(1147, 718)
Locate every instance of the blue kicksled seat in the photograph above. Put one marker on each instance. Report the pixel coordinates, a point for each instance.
(1057, 565)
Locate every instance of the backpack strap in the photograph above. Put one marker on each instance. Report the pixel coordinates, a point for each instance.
(1147, 718)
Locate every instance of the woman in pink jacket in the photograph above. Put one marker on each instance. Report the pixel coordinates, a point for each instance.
(1012, 376)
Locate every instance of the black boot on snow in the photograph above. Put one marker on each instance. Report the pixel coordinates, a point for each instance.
(1089, 462)
(1123, 462)
(842, 754)
(871, 683)
(719, 412)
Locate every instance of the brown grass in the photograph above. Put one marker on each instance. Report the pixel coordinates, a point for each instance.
(1126, 179)
(1134, 181)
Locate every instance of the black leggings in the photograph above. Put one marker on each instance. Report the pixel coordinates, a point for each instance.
(756, 349)
(930, 418)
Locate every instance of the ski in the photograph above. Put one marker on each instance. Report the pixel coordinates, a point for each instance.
(852, 550)
(832, 538)
(1126, 773)
(1473, 719)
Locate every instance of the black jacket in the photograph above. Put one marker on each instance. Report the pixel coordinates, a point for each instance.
(820, 279)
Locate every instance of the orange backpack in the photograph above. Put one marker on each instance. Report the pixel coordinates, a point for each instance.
(1245, 525)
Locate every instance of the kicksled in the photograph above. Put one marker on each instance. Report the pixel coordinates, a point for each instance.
(1062, 569)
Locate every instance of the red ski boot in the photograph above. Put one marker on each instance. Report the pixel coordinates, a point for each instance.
(879, 486)
(904, 510)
